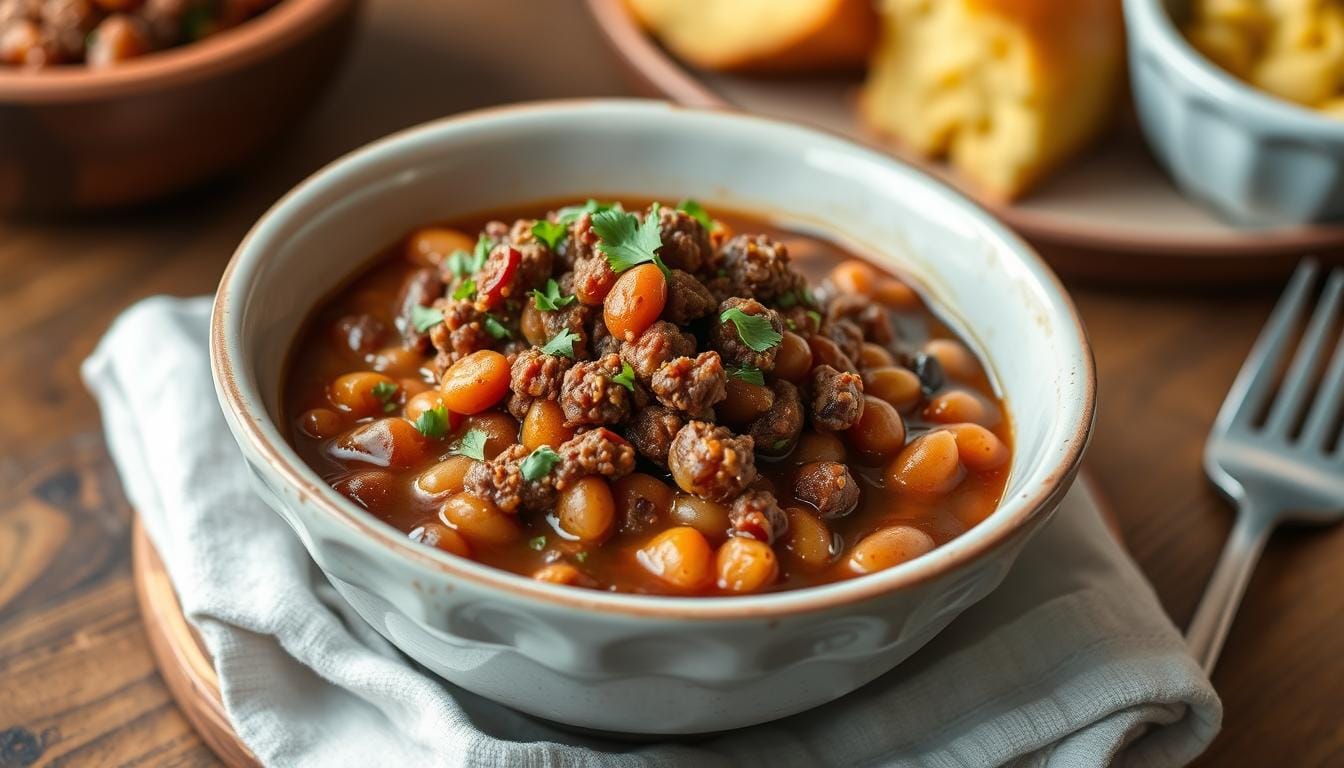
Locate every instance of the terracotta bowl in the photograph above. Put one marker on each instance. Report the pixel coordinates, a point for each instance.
(73, 138)
(626, 662)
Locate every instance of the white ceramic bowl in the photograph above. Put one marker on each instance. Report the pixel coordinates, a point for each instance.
(1258, 160)
(634, 663)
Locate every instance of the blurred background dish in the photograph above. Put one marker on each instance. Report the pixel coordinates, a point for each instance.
(81, 138)
(1109, 213)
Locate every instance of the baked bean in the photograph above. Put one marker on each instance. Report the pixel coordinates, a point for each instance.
(896, 294)
(479, 520)
(818, 446)
(680, 557)
(446, 477)
(959, 405)
(587, 509)
(744, 402)
(437, 535)
(398, 362)
(710, 518)
(955, 358)
(501, 430)
(413, 387)
(896, 385)
(544, 424)
(389, 442)
(532, 325)
(321, 423)
(641, 501)
(745, 565)
(428, 246)
(794, 359)
(369, 488)
(117, 38)
(475, 382)
(854, 276)
(887, 547)
(879, 432)
(930, 465)
(874, 356)
(827, 352)
(359, 334)
(424, 401)
(808, 539)
(635, 301)
(562, 573)
(980, 449)
(364, 393)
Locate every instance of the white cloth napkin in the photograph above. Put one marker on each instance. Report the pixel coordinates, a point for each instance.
(1070, 663)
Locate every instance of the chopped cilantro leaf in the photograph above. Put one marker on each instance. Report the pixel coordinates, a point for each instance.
(787, 300)
(481, 252)
(385, 391)
(748, 373)
(471, 444)
(537, 543)
(549, 232)
(754, 330)
(697, 212)
(562, 344)
(581, 556)
(805, 296)
(433, 422)
(460, 263)
(571, 213)
(495, 328)
(552, 299)
(539, 462)
(780, 444)
(626, 242)
(626, 378)
(816, 317)
(467, 290)
(424, 318)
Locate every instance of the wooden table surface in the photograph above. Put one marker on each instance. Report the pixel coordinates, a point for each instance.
(77, 682)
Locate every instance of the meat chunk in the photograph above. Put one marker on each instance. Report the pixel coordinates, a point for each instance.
(836, 398)
(461, 332)
(687, 298)
(658, 344)
(535, 375)
(595, 452)
(872, 318)
(600, 340)
(589, 397)
(593, 275)
(579, 243)
(651, 431)
(711, 462)
(756, 515)
(776, 430)
(575, 319)
(685, 241)
(847, 336)
(758, 267)
(361, 334)
(691, 385)
(421, 288)
(726, 338)
(500, 480)
(828, 487)
(537, 258)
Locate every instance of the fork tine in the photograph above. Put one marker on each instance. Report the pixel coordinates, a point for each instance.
(1329, 399)
(1297, 382)
(1258, 372)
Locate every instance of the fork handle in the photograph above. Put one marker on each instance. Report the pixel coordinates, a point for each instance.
(1218, 607)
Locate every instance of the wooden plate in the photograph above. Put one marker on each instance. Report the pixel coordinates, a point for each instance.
(1111, 214)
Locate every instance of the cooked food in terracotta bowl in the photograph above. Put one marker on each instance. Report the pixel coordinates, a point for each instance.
(645, 419)
(107, 104)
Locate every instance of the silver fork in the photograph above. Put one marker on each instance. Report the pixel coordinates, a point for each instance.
(1270, 471)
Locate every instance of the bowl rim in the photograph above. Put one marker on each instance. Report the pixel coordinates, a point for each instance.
(1156, 30)
(277, 28)
(237, 392)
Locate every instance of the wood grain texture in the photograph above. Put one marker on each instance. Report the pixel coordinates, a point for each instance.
(78, 684)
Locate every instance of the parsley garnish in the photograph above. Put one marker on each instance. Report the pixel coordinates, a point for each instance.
(626, 242)
(571, 213)
(539, 462)
(467, 290)
(787, 300)
(384, 390)
(562, 344)
(433, 422)
(552, 299)
(581, 556)
(471, 444)
(748, 373)
(781, 444)
(816, 317)
(465, 264)
(626, 378)
(549, 232)
(538, 543)
(424, 318)
(697, 212)
(495, 328)
(754, 330)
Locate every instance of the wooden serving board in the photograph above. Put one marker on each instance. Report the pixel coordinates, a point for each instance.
(190, 674)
